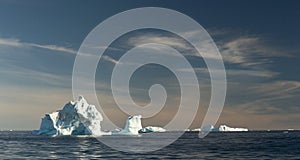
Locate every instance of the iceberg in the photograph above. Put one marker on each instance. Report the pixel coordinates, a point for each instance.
(132, 126)
(221, 128)
(224, 128)
(76, 118)
(81, 118)
(150, 129)
(196, 130)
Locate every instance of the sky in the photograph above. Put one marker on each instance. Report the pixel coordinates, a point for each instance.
(258, 41)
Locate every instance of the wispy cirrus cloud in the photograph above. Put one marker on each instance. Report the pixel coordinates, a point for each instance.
(276, 97)
(18, 43)
(156, 38)
(110, 59)
(10, 42)
(235, 72)
(54, 48)
(248, 51)
(20, 65)
(235, 48)
(30, 77)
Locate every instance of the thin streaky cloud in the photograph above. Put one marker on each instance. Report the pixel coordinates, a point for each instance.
(110, 59)
(269, 98)
(10, 42)
(235, 72)
(17, 43)
(154, 38)
(54, 48)
(23, 74)
(241, 49)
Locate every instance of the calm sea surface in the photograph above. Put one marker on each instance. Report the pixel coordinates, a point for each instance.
(245, 145)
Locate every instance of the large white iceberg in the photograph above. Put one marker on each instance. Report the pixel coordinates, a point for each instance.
(76, 118)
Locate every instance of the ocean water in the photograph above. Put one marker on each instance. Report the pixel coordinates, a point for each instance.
(217, 145)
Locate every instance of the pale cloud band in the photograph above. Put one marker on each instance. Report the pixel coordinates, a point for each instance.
(18, 43)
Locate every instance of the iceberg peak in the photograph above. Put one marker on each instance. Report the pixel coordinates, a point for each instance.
(81, 99)
(132, 126)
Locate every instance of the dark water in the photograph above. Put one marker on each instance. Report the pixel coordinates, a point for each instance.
(246, 145)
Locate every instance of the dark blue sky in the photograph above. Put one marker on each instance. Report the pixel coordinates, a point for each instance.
(259, 42)
(32, 19)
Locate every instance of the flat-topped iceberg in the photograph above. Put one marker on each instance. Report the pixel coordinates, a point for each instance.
(76, 118)
(224, 128)
(221, 128)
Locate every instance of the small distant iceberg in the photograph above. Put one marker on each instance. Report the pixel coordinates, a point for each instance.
(208, 128)
(221, 128)
(195, 130)
(224, 128)
(150, 129)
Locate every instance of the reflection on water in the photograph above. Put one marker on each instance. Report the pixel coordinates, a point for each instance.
(246, 145)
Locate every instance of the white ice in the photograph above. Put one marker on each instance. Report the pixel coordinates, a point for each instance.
(221, 128)
(76, 118)
(224, 128)
(81, 118)
(132, 126)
